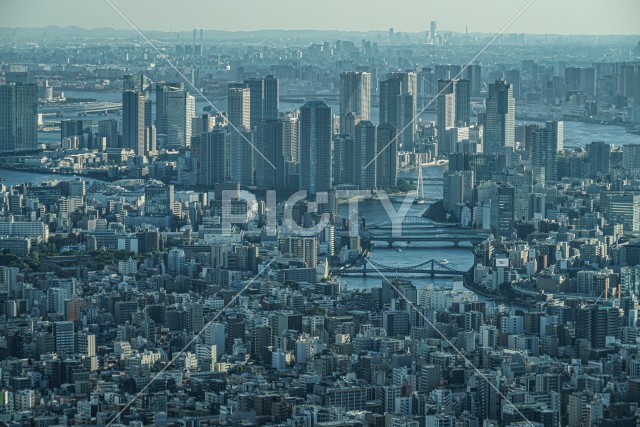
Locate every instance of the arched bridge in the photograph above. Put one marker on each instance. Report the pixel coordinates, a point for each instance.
(431, 268)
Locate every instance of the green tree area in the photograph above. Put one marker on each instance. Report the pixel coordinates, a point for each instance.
(32, 262)
(402, 186)
(105, 258)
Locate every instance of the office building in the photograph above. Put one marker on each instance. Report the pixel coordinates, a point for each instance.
(474, 75)
(343, 160)
(239, 114)
(108, 129)
(427, 86)
(631, 156)
(212, 149)
(18, 116)
(133, 121)
(270, 165)
(457, 189)
(64, 337)
(502, 197)
(580, 79)
(398, 105)
(79, 128)
(264, 99)
(454, 109)
(158, 200)
(290, 135)
(365, 152)
(241, 156)
(512, 77)
(599, 156)
(396, 323)
(315, 147)
(546, 142)
(387, 160)
(215, 335)
(499, 130)
(176, 262)
(605, 322)
(355, 97)
(522, 183)
(620, 207)
(175, 109)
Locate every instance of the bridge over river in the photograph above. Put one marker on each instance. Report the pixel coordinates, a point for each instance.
(430, 268)
(419, 229)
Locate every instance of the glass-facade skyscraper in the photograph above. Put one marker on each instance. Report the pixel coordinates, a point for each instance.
(500, 119)
(18, 116)
(315, 147)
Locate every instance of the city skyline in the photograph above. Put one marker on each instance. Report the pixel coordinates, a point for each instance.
(319, 229)
(598, 19)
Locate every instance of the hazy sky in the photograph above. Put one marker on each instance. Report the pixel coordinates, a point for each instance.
(543, 16)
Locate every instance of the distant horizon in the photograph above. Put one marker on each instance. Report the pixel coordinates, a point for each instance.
(543, 17)
(319, 30)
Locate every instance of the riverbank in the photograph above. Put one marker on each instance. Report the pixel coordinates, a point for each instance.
(12, 175)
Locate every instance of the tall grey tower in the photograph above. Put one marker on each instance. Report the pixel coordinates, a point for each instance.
(315, 147)
(454, 109)
(264, 95)
(355, 96)
(499, 132)
(398, 104)
(133, 121)
(365, 152)
(212, 157)
(174, 110)
(387, 161)
(18, 116)
(271, 100)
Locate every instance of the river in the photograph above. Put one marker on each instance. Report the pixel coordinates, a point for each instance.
(11, 177)
(459, 258)
(403, 254)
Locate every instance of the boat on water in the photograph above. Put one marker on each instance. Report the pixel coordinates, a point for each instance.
(398, 250)
(444, 261)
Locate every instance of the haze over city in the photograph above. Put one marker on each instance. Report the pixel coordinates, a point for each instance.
(319, 214)
(488, 16)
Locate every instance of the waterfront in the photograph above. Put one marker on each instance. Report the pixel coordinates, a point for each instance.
(581, 133)
(11, 177)
(403, 254)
